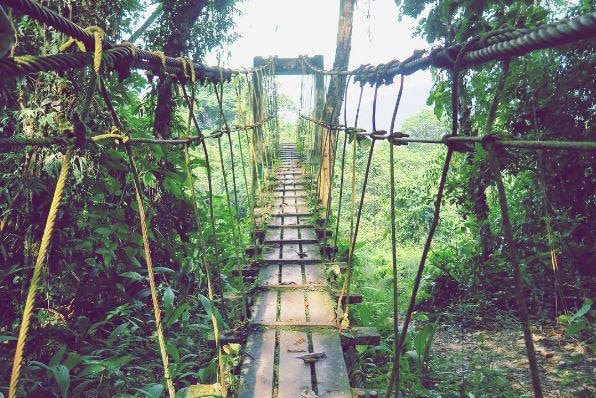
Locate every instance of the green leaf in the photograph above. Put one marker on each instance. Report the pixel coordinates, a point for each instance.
(62, 377)
(72, 360)
(7, 338)
(173, 186)
(112, 185)
(92, 369)
(135, 276)
(174, 315)
(116, 333)
(117, 362)
(583, 310)
(172, 350)
(209, 309)
(163, 270)
(57, 357)
(149, 180)
(576, 327)
(151, 391)
(364, 143)
(104, 231)
(168, 297)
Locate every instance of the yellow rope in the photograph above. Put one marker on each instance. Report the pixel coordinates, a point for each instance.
(149, 263)
(37, 270)
(99, 36)
(117, 129)
(162, 57)
(195, 207)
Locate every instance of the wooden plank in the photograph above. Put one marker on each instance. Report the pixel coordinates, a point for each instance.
(292, 306)
(294, 286)
(291, 261)
(256, 374)
(279, 241)
(226, 337)
(331, 372)
(289, 220)
(291, 273)
(314, 273)
(320, 306)
(272, 234)
(291, 233)
(308, 233)
(281, 195)
(265, 307)
(282, 213)
(325, 325)
(312, 251)
(294, 374)
(271, 253)
(269, 275)
(289, 251)
(361, 336)
(301, 226)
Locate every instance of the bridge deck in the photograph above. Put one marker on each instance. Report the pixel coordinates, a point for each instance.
(293, 314)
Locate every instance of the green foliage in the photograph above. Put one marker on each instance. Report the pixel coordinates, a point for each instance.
(579, 321)
(94, 329)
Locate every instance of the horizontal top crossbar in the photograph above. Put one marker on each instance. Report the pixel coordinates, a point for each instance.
(290, 66)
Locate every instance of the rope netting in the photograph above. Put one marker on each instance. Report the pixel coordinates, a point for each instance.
(258, 140)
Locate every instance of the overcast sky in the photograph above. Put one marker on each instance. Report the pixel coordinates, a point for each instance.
(288, 28)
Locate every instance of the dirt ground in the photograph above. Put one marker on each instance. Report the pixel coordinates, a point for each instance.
(566, 364)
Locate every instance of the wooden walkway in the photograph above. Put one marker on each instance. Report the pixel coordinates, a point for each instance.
(293, 313)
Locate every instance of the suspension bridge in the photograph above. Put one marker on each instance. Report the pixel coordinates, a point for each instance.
(297, 328)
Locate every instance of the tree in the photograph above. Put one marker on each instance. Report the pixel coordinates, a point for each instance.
(425, 125)
(186, 28)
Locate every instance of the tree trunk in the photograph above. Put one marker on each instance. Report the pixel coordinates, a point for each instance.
(180, 18)
(476, 184)
(335, 94)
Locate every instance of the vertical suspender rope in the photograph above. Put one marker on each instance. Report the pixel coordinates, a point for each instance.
(343, 162)
(333, 152)
(512, 254)
(354, 145)
(240, 111)
(48, 231)
(434, 223)
(236, 231)
(393, 234)
(254, 139)
(144, 232)
(210, 189)
(249, 198)
(204, 261)
(46, 239)
(345, 290)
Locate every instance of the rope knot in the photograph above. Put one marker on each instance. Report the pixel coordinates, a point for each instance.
(78, 133)
(123, 68)
(378, 135)
(451, 142)
(488, 140)
(99, 36)
(395, 138)
(162, 57)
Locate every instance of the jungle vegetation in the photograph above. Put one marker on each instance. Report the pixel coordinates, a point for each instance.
(91, 334)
